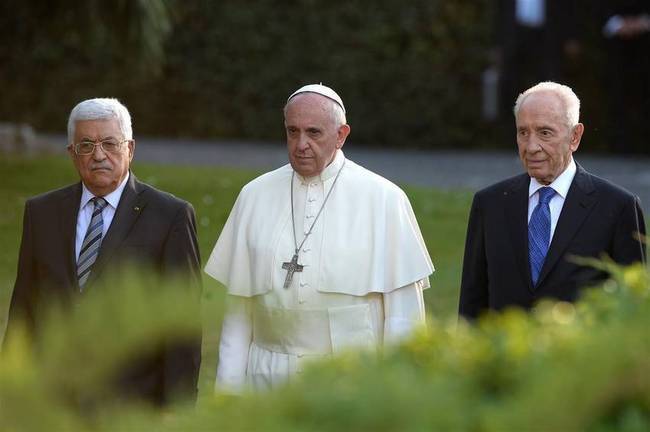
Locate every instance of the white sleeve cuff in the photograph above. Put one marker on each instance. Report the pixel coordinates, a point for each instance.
(236, 336)
(403, 311)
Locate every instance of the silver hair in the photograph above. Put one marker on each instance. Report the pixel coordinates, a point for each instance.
(565, 93)
(100, 109)
(337, 113)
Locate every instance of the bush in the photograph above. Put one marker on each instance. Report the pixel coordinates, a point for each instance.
(407, 71)
(563, 367)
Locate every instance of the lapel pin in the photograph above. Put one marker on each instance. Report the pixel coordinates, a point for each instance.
(136, 208)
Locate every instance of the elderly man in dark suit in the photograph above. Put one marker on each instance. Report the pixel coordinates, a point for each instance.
(523, 231)
(74, 237)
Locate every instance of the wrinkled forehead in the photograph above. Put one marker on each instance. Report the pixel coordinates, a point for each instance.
(311, 105)
(97, 128)
(542, 105)
(544, 100)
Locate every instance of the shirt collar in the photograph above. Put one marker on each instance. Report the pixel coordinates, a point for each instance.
(561, 184)
(112, 198)
(330, 170)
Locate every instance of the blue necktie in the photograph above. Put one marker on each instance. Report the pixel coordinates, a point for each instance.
(539, 232)
(92, 241)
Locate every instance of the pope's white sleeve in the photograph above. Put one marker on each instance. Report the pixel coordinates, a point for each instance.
(403, 311)
(236, 337)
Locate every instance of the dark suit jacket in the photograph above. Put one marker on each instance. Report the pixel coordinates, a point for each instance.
(624, 8)
(153, 227)
(598, 217)
(559, 25)
(528, 56)
(627, 80)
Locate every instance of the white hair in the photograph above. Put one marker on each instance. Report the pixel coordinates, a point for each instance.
(566, 95)
(336, 111)
(100, 109)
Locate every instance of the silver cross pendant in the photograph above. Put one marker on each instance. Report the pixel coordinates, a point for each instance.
(291, 267)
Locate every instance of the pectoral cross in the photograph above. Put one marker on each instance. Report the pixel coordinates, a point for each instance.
(291, 267)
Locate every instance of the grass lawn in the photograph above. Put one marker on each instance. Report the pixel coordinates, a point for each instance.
(442, 217)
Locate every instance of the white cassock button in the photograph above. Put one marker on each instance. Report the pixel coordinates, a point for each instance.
(310, 216)
(306, 250)
(303, 284)
(301, 301)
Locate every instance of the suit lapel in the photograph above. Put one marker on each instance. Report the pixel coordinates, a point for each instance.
(515, 207)
(577, 205)
(127, 212)
(68, 213)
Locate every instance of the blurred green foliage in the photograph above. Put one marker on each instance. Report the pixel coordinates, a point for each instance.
(401, 67)
(408, 71)
(56, 53)
(564, 367)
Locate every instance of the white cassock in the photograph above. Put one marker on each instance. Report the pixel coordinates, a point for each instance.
(365, 266)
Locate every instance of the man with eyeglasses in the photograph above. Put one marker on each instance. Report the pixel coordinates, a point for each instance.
(76, 237)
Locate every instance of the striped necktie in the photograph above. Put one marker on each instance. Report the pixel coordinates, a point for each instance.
(92, 241)
(539, 232)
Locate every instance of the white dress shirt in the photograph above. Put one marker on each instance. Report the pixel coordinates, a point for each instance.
(561, 186)
(86, 212)
(530, 13)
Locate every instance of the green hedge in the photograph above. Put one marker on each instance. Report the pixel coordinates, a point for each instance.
(409, 72)
(400, 67)
(565, 367)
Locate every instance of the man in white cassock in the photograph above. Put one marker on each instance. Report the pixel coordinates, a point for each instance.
(318, 256)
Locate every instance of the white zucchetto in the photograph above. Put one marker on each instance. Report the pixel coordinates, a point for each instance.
(321, 90)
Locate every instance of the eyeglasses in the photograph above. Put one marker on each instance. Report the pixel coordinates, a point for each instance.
(87, 147)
